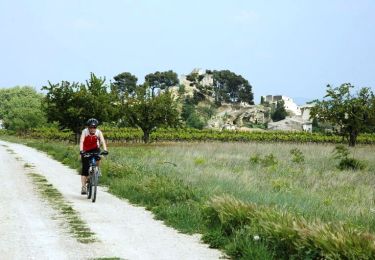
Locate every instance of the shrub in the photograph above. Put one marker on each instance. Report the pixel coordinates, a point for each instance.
(351, 164)
(269, 160)
(297, 155)
(342, 153)
(255, 159)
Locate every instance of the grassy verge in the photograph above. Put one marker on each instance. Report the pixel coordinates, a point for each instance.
(77, 227)
(254, 201)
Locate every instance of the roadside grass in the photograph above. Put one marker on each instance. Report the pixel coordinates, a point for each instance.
(283, 183)
(77, 227)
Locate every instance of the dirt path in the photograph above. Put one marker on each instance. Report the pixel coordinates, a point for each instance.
(28, 229)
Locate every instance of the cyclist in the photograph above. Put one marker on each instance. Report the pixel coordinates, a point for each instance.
(90, 142)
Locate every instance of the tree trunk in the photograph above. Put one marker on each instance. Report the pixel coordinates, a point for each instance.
(352, 139)
(146, 136)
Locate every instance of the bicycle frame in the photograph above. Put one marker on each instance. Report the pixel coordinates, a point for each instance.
(93, 175)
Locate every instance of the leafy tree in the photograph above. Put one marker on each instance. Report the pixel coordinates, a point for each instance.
(262, 101)
(20, 109)
(7, 94)
(71, 104)
(231, 88)
(148, 111)
(188, 108)
(351, 114)
(124, 83)
(195, 121)
(280, 112)
(161, 80)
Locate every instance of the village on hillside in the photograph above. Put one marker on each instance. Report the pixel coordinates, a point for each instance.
(243, 116)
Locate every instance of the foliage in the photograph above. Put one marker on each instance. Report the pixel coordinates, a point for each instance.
(20, 109)
(350, 114)
(161, 80)
(194, 121)
(342, 153)
(279, 113)
(195, 117)
(71, 104)
(148, 112)
(115, 134)
(297, 155)
(125, 84)
(181, 89)
(267, 161)
(231, 88)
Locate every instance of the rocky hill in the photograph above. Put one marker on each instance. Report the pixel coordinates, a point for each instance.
(230, 116)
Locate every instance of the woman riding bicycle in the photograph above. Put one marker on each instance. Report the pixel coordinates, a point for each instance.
(90, 142)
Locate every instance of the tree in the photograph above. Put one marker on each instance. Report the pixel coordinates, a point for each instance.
(161, 80)
(148, 111)
(351, 114)
(262, 101)
(231, 88)
(125, 83)
(71, 104)
(20, 109)
(280, 112)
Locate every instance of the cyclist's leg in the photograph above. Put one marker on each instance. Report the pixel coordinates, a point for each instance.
(84, 173)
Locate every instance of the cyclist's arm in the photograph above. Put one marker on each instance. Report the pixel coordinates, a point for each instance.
(81, 141)
(102, 141)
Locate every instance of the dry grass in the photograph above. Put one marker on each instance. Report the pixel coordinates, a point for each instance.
(314, 188)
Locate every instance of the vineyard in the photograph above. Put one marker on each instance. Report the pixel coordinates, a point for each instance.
(124, 135)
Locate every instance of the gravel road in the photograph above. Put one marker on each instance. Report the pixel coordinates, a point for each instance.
(30, 229)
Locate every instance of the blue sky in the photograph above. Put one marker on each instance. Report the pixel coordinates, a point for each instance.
(290, 47)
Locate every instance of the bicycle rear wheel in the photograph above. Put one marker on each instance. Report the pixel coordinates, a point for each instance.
(94, 185)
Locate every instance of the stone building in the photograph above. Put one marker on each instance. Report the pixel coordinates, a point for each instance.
(289, 104)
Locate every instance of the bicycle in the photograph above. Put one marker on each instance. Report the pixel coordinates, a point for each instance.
(93, 177)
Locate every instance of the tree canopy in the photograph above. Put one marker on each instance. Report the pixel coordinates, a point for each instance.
(71, 104)
(125, 83)
(161, 80)
(148, 111)
(350, 114)
(231, 88)
(20, 108)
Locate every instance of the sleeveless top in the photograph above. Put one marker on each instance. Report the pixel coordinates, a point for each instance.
(91, 141)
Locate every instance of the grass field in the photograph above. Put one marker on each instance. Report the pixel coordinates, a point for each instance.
(313, 187)
(292, 195)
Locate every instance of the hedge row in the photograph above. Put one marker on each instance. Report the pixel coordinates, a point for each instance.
(135, 135)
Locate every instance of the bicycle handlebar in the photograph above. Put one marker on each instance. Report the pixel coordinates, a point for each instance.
(94, 154)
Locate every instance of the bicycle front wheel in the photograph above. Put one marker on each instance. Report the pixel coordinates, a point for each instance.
(89, 185)
(94, 182)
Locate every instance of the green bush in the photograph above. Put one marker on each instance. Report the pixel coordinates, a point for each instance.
(269, 160)
(342, 153)
(255, 159)
(351, 164)
(297, 155)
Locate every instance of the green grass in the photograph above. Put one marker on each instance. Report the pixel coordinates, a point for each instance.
(300, 181)
(313, 188)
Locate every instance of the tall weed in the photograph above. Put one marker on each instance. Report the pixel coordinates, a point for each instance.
(290, 236)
